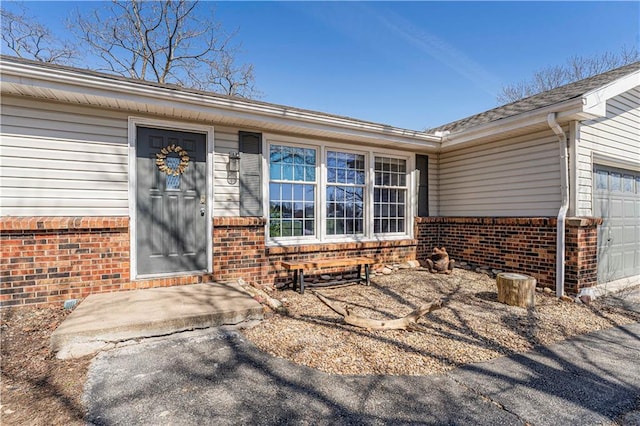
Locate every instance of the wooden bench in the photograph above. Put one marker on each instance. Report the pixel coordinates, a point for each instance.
(298, 269)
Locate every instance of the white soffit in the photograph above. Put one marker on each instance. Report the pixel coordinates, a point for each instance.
(595, 101)
(65, 85)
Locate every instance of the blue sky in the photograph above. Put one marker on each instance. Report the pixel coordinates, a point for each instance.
(407, 64)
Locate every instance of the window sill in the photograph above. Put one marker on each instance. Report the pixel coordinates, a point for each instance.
(308, 247)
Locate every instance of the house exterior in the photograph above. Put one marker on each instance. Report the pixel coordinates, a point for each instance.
(110, 184)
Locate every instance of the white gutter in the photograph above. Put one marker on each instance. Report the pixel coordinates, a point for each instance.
(571, 109)
(564, 206)
(101, 86)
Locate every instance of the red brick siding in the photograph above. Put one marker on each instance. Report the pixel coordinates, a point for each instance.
(47, 260)
(527, 245)
(581, 266)
(239, 249)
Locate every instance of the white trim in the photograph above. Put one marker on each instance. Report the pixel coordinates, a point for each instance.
(595, 101)
(611, 287)
(133, 122)
(591, 105)
(491, 129)
(574, 180)
(612, 161)
(321, 149)
(93, 88)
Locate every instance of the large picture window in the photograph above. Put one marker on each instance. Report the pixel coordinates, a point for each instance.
(364, 195)
(292, 191)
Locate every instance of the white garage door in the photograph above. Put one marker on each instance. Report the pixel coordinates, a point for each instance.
(617, 201)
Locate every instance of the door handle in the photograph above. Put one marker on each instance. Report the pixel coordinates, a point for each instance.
(202, 211)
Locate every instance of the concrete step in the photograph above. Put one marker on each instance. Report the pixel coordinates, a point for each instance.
(103, 320)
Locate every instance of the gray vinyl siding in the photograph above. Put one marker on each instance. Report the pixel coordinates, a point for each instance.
(511, 177)
(226, 188)
(68, 160)
(616, 137)
(62, 160)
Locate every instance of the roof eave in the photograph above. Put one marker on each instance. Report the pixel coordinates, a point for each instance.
(94, 88)
(595, 101)
(590, 105)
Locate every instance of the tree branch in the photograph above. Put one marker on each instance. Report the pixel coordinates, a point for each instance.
(408, 322)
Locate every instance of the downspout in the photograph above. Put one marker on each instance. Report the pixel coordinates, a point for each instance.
(564, 206)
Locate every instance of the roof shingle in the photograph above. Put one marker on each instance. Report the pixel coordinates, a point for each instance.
(540, 100)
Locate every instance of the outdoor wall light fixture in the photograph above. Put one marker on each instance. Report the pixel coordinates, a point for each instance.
(234, 161)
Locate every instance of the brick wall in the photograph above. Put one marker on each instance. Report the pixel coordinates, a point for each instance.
(581, 265)
(47, 260)
(239, 249)
(526, 245)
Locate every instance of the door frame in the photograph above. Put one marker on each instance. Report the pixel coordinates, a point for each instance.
(133, 123)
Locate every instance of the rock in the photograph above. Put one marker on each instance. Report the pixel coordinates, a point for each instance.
(386, 271)
(565, 298)
(547, 290)
(496, 271)
(586, 299)
(325, 277)
(338, 277)
(539, 289)
(484, 271)
(404, 266)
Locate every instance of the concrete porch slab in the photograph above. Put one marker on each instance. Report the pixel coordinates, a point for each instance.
(103, 320)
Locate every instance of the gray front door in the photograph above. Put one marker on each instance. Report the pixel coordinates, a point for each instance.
(171, 215)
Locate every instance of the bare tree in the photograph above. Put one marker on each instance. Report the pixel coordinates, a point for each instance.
(576, 68)
(29, 39)
(167, 42)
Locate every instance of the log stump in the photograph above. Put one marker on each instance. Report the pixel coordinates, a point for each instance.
(516, 289)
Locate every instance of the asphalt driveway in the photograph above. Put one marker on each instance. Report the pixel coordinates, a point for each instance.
(217, 377)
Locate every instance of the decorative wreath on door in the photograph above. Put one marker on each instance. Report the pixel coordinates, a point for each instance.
(161, 158)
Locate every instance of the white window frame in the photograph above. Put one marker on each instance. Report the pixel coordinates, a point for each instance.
(408, 194)
(321, 186)
(267, 174)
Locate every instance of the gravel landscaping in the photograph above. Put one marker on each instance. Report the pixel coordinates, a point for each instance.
(473, 326)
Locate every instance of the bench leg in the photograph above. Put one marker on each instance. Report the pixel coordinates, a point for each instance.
(359, 273)
(366, 273)
(295, 279)
(301, 281)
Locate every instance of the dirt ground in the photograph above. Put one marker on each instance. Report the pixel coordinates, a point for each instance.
(38, 389)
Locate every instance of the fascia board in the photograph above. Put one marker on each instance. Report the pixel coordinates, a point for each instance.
(101, 87)
(565, 111)
(596, 100)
